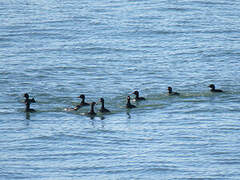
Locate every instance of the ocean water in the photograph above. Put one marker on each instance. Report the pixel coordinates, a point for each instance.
(56, 50)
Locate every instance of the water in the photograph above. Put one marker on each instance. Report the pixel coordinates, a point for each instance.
(57, 50)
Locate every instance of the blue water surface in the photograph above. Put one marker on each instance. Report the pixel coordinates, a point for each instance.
(56, 50)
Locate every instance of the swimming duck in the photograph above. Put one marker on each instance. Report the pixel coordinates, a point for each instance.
(129, 105)
(28, 102)
(137, 98)
(103, 109)
(212, 86)
(170, 92)
(92, 112)
(83, 103)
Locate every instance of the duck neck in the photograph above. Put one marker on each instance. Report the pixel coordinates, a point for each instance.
(83, 101)
(128, 102)
(137, 96)
(92, 108)
(27, 102)
(102, 105)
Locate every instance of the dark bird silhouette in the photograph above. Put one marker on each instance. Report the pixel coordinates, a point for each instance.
(212, 86)
(28, 102)
(92, 112)
(129, 105)
(137, 98)
(83, 103)
(170, 92)
(103, 109)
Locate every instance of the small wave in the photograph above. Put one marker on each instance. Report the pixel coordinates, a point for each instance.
(62, 136)
(229, 161)
(177, 9)
(103, 50)
(156, 32)
(212, 2)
